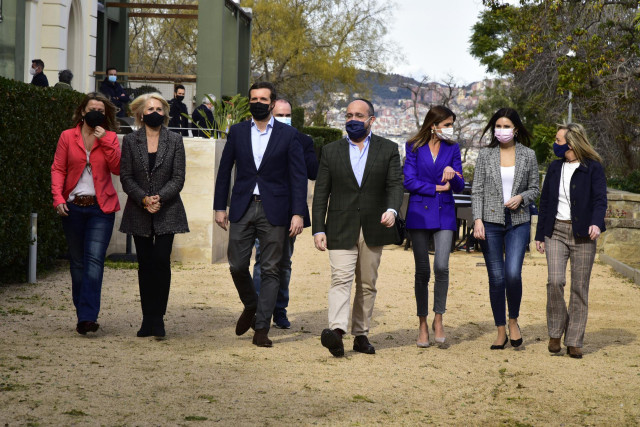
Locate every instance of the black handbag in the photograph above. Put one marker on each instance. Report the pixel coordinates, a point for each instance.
(401, 227)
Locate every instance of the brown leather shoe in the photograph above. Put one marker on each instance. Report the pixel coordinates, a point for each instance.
(245, 321)
(554, 345)
(261, 338)
(575, 352)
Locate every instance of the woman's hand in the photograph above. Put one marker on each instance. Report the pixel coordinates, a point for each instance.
(99, 132)
(514, 202)
(478, 229)
(448, 174)
(62, 209)
(540, 246)
(594, 232)
(445, 187)
(152, 203)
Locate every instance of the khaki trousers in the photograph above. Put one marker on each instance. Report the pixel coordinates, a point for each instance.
(561, 247)
(362, 262)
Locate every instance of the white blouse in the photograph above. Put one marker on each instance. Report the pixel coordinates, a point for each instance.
(85, 186)
(507, 173)
(564, 192)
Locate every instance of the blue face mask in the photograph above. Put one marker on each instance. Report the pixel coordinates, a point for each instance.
(356, 129)
(560, 150)
(285, 120)
(112, 79)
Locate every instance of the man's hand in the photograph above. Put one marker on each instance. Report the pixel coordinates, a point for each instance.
(222, 220)
(388, 219)
(540, 246)
(320, 240)
(297, 225)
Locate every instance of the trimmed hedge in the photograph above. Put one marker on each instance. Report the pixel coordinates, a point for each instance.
(297, 118)
(322, 136)
(31, 120)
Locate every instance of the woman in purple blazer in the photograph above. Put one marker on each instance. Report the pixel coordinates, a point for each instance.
(432, 171)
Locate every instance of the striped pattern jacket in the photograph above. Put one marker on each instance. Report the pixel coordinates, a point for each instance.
(487, 200)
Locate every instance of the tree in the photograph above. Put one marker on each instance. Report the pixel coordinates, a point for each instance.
(546, 49)
(317, 46)
(164, 46)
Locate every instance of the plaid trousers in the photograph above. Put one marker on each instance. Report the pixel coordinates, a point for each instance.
(561, 247)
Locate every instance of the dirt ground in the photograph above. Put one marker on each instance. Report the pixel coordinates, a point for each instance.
(203, 374)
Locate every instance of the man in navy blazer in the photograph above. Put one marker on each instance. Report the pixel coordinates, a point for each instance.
(269, 195)
(282, 113)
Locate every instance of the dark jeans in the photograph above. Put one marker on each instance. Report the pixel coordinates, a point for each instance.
(88, 232)
(282, 301)
(503, 250)
(442, 239)
(242, 237)
(154, 273)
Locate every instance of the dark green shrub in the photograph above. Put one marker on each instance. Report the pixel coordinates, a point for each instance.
(297, 118)
(31, 120)
(141, 90)
(542, 144)
(629, 183)
(322, 136)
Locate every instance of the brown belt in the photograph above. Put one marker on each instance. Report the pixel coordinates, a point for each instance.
(84, 200)
(564, 221)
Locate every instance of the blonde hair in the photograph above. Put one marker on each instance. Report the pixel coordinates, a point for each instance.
(137, 107)
(576, 137)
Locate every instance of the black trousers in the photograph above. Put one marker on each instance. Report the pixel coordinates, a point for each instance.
(154, 272)
(242, 236)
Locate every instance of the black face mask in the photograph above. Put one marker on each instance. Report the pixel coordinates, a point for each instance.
(259, 111)
(180, 98)
(94, 118)
(153, 120)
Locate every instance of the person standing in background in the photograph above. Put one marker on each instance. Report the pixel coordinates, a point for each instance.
(203, 118)
(177, 122)
(37, 71)
(64, 80)
(114, 91)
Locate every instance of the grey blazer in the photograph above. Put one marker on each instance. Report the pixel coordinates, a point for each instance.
(166, 179)
(487, 200)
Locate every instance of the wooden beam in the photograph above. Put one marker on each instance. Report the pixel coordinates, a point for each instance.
(152, 6)
(151, 76)
(162, 15)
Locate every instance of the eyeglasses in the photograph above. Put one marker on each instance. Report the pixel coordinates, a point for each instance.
(357, 116)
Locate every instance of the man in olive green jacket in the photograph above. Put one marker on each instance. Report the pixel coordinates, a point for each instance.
(357, 196)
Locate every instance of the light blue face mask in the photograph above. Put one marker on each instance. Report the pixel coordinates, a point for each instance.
(285, 120)
(113, 79)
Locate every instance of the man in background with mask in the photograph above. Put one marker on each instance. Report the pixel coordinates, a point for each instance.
(202, 116)
(37, 71)
(177, 122)
(114, 91)
(282, 113)
(268, 199)
(357, 196)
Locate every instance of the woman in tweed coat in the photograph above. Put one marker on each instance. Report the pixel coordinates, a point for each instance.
(152, 174)
(505, 184)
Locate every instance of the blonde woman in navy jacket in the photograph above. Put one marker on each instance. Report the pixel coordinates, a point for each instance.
(572, 209)
(432, 171)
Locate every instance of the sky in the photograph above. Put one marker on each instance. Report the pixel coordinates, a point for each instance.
(433, 36)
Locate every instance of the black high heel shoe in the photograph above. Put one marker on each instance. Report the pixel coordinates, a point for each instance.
(518, 342)
(500, 347)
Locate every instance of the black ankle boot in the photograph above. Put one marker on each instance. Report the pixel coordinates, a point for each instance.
(145, 328)
(158, 327)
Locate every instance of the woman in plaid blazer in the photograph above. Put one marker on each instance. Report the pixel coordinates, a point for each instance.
(572, 209)
(505, 184)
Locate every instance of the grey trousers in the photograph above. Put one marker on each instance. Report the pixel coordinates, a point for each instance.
(561, 247)
(420, 241)
(242, 236)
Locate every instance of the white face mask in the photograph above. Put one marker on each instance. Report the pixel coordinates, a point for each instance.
(32, 71)
(285, 120)
(445, 133)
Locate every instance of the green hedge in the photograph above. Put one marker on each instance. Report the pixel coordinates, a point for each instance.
(629, 183)
(297, 118)
(31, 120)
(322, 136)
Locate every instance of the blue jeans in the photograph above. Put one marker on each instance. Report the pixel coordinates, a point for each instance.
(282, 301)
(88, 231)
(503, 250)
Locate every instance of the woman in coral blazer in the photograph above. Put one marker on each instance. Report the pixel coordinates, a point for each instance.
(432, 171)
(85, 199)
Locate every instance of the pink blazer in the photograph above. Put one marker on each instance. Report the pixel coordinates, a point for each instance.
(71, 159)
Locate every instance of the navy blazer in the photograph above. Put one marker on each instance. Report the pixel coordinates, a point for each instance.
(281, 177)
(588, 193)
(428, 209)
